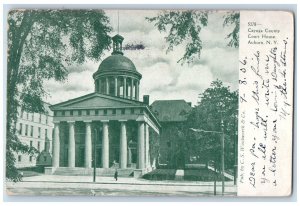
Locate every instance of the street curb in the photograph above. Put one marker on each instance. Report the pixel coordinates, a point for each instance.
(125, 183)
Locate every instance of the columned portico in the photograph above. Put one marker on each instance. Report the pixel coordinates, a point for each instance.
(123, 145)
(105, 145)
(71, 149)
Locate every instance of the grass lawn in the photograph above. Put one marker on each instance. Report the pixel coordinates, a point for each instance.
(201, 174)
(161, 174)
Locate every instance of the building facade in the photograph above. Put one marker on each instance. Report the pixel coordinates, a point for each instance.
(172, 115)
(35, 129)
(109, 127)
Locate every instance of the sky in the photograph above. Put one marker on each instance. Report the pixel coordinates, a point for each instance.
(162, 77)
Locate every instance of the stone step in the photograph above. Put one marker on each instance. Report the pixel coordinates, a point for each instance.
(99, 171)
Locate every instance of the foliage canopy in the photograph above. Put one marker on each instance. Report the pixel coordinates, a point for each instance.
(41, 44)
(184, 27)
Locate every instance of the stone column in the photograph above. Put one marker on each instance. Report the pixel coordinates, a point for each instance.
(147, 160)
(107, 85)
(123, 145)
(88, 145)
(124, 88)
(99, 89)
(131, 89)
(116, 86)
(56, 145)
(71, 152)
(141, 145)
(137, 90)
(105, 145)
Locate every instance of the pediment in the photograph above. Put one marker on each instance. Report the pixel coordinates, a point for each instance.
(95, 100)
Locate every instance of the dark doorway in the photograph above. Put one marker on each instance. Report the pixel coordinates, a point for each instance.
(98, 157)
(81, 155)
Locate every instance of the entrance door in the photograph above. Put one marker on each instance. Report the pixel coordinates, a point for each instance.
(98, 157)
(80, 162)
(66, 157)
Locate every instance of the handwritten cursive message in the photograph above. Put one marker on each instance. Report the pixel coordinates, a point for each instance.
(265, 103)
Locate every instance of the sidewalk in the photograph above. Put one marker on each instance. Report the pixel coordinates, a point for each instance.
(121, 180)
(229, 176)
(57, 185)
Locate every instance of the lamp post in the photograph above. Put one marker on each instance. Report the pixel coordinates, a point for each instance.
(222, 150)
(235, 146)
(222, 156)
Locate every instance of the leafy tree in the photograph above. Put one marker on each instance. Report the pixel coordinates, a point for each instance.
(217, 104)
(184, 27)
(41, 44)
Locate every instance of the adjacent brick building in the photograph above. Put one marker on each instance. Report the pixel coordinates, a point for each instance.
(35, 129)
(172, 114)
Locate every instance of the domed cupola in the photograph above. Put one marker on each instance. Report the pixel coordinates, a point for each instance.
(117, 75)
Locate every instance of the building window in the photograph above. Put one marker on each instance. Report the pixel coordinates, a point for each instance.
(40, 118)
(45, 146)
(63, 113)
(19, 158)
(114, 111)
(39, 146)
(23, 114)
(39, 132)
(141, 111)
(32, 117)
(79, 112)
(71, 112)
(123, 111)
(20, 130)
(30, 143)
(46, 133)
(96, 112)
(105, 111)
(87, 112)
(30, 158)
(26, 130)
(31, 131)
(45, 158)
(55, 113)
(46, 119)
(132, 110)
(27, 116)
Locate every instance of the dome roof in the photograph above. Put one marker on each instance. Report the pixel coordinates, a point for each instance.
(116, 62)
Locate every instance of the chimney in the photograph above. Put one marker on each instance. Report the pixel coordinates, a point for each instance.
(146, 99)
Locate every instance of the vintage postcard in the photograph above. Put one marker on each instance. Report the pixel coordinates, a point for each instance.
(149, 102)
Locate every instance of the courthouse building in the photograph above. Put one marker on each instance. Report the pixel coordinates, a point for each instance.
(109, 125)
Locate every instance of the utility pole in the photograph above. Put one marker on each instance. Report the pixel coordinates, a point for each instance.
(94, 173)
(215, 180)
(235, 147)
(222, 141)
(222, 157)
